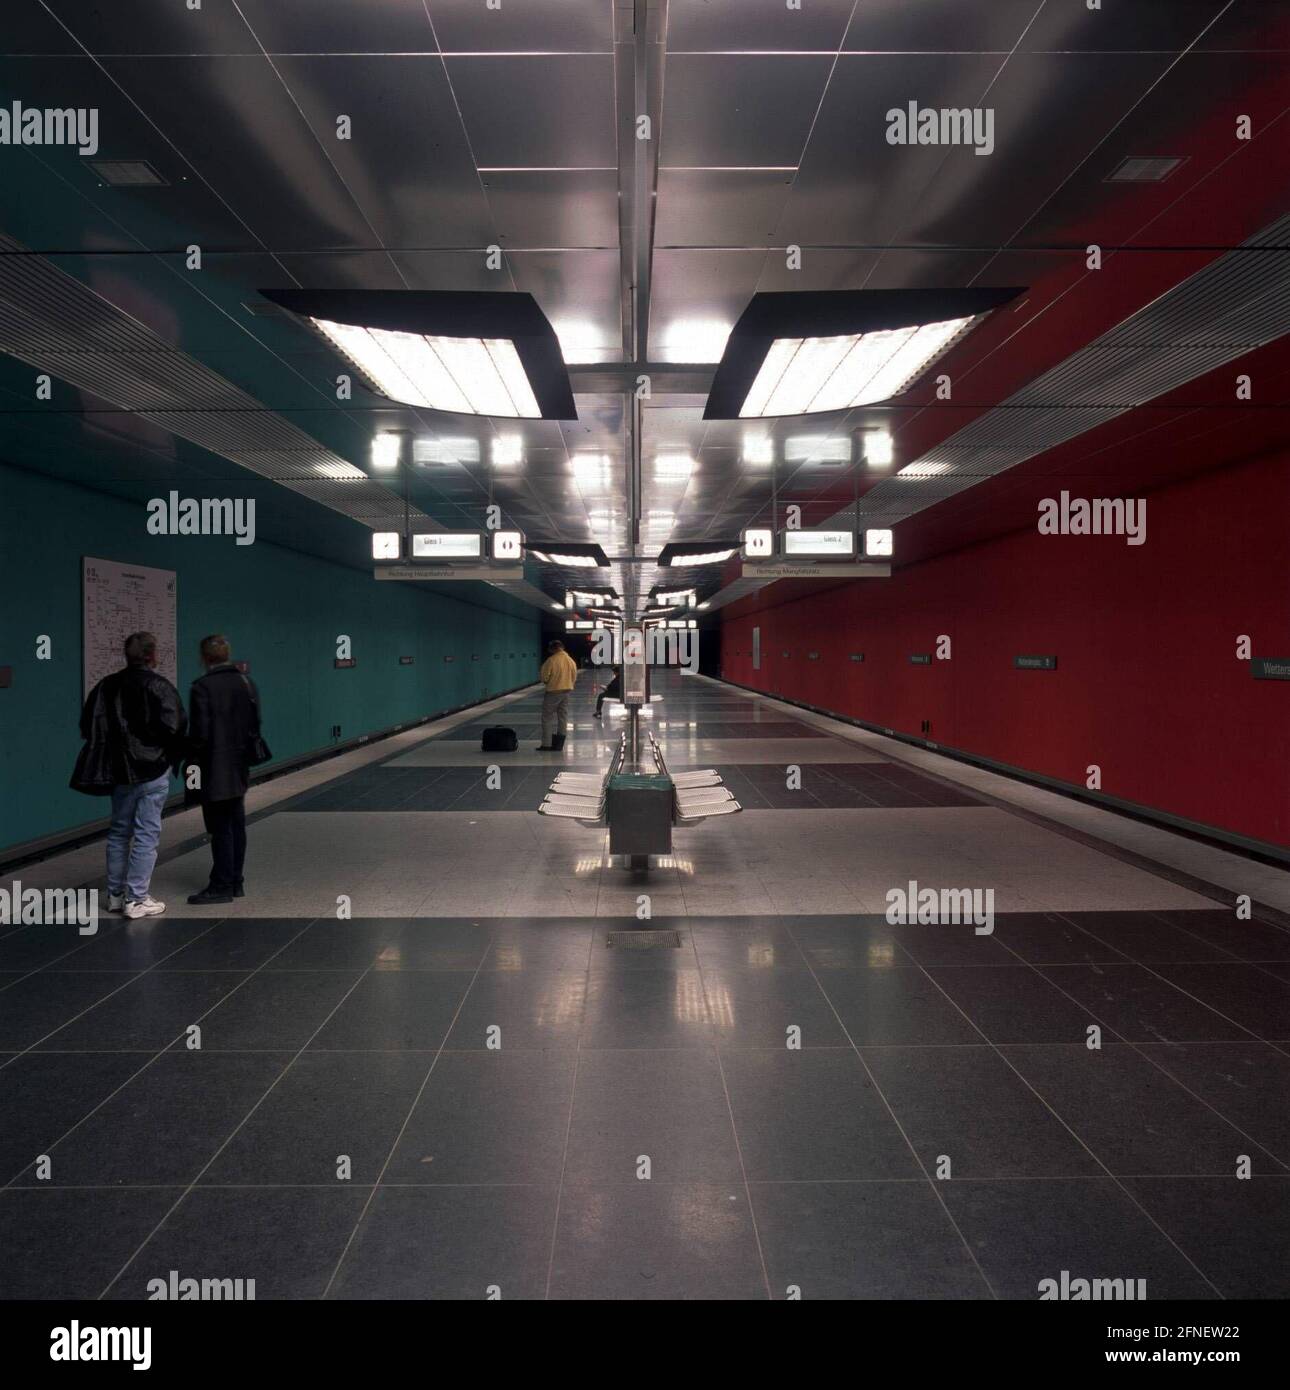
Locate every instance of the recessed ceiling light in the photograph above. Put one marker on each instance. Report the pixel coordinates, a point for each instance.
(580, 343)
(673, 468)
(758, 449)
(1150, 168)
(878, 451)
(127, 173)
(386, 448)
(470, 353)
(445, 451)
(508, 451)
(817, 448)
(695, 340)
(813, 351)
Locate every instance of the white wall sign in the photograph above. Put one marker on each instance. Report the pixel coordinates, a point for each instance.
(117, 600)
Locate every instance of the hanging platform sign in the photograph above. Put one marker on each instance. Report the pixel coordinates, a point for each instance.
(490, 574)
(814, 569)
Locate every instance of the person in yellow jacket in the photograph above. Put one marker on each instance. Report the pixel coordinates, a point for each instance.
(559, 674)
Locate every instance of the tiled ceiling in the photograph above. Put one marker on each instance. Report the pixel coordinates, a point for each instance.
(513, 128)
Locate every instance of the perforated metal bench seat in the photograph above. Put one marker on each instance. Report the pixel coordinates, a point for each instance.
(691, 815)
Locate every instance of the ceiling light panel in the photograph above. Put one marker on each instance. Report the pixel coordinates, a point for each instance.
(475, 376)
(810, 352)
(805, 376)
(466, 352)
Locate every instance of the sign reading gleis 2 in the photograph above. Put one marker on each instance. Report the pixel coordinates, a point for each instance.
(804, 544)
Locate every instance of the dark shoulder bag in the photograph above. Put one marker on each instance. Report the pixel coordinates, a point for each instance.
(257, 751)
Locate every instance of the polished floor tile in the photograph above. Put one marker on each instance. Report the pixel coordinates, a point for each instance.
(812, 1116)
(654, 1240)
(1139, 1004)
(1248, 1083)
(870, 1240)
(1236, 1231)
(288, 1240)
(62, 1243)
(329, 1117)
(938, 1096)
(487, 1117)
(664, 1108)
(1132, 1115)
(1025, 1232)
(166, 1123)
(396, 1009)
(451, 1242)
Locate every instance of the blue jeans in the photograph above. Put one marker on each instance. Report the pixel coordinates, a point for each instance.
(133, 837)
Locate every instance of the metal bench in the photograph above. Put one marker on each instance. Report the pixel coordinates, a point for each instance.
(698, 794)
(581, 796)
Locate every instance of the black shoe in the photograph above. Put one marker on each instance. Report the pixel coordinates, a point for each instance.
(209, 895)
(543, 748)
(557, 744)
(596, 715)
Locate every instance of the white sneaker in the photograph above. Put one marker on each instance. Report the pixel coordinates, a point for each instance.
(116, 901)
(147, 907)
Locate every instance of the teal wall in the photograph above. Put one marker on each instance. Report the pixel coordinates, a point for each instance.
(281, 610)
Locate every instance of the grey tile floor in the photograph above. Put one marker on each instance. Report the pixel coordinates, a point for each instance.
(465, 1086)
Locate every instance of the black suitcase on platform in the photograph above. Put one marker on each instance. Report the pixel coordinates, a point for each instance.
(498, 739)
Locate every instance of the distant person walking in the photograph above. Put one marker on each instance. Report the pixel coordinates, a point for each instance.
(613, 691)
(133, 725)
(559, 674)
(222, 742)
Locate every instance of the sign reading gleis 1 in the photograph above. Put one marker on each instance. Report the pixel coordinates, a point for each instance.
(448, 545)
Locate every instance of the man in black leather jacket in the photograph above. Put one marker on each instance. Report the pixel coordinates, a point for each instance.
(134, 721)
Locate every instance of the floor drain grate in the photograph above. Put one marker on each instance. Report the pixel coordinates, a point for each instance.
(643, 938)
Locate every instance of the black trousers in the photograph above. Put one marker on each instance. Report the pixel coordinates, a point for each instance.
(226, 824)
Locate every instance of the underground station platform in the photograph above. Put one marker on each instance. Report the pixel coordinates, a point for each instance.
(645, 658)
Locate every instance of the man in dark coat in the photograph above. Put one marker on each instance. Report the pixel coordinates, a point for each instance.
(133, 726)
(225, 718)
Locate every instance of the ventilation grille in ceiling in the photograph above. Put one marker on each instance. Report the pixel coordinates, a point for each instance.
(128, 173)
(1145, 169)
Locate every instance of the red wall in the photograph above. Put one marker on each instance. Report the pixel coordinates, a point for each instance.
(1147, 683)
